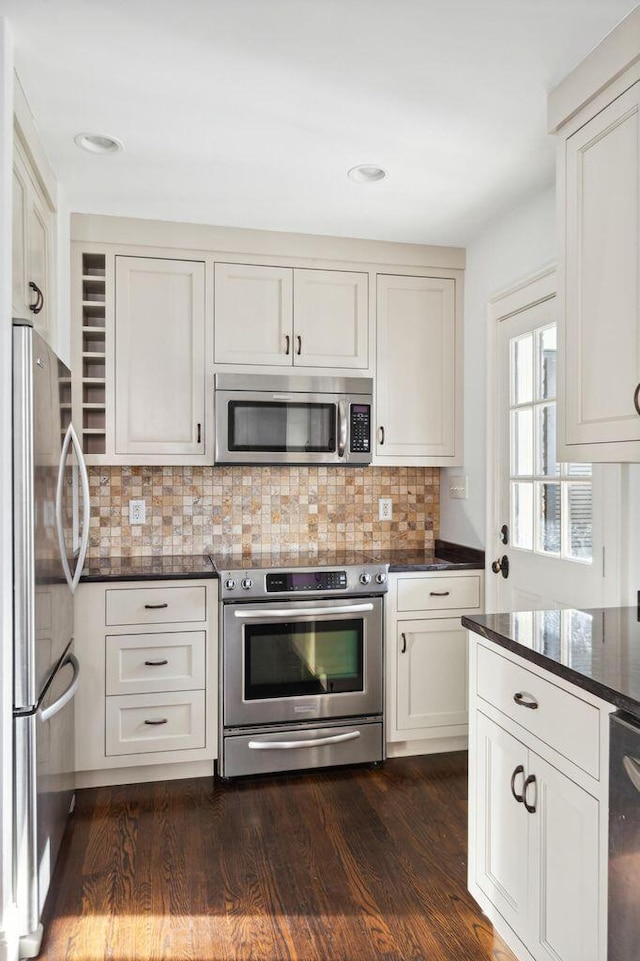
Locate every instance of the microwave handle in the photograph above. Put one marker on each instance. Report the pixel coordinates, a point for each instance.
(342, 427)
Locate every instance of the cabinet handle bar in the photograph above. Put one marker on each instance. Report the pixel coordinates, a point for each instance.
(403, 650)
(531, 808)
(518, 797)
(520, 697)
(156, 607)
(636, 395)
(157, 663)
(155, 723)
(439, 593)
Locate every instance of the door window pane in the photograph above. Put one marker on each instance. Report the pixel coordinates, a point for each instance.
(547, 464)
(522, 442)
(579, 512)
(548, 512)
(546, 386)
(522, 518)
(522, 369)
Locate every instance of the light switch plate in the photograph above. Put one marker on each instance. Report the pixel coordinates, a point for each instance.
(458, 486)
(137, 512)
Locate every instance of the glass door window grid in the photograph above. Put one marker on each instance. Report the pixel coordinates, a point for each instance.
(551, 502)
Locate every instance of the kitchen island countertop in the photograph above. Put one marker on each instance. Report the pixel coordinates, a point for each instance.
(597, 649)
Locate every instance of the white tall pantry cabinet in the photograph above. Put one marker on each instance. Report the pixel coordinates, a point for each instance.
(596, 115)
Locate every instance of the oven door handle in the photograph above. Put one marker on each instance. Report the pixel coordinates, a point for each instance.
(290, 745)
(292, 613)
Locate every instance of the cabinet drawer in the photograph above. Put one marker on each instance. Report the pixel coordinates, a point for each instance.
(148, 663)
(562, 720)
(155, 605)
(144, 723)
(438, 593)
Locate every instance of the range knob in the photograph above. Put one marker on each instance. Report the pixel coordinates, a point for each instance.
(246, 583)
(381, 578)
(229, 584)
(365, 577)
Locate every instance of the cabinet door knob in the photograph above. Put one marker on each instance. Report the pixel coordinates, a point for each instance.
(519, 797)
(39, 304)
(531, 780)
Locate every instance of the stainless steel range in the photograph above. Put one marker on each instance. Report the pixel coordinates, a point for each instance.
(301, 663)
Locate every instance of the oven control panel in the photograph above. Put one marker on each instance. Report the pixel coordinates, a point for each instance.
(294, 581)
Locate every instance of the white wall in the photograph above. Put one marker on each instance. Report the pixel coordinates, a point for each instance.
(514, 246)
(7, 942)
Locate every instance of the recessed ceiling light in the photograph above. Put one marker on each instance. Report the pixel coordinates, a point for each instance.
(367, 174)
(98, 143)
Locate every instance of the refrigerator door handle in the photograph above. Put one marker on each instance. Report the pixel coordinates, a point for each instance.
(86, 509)
(63, 700)
(72, 438)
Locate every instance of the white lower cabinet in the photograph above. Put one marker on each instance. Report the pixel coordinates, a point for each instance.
(148, 689)
(538, 864)
(427, 690)
(537, 819)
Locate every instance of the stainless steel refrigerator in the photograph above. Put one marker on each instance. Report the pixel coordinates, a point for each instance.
(50, 491)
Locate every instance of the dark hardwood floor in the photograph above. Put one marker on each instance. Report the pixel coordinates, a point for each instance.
(343, 865)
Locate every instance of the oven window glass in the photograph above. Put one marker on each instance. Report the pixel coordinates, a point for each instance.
(281, 426)
(311, 657)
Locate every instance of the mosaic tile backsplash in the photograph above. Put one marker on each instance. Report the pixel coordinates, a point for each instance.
(194, 510)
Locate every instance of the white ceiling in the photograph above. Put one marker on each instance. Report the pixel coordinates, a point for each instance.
(249, 112)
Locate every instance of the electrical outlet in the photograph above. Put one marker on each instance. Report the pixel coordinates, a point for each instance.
(385, 508)
(137, 512)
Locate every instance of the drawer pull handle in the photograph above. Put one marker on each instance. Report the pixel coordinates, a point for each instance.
(531, 808)
(521, 698)
(439, 593)
(519, 797)
(156, 607)
(155, 723)
(157, 663)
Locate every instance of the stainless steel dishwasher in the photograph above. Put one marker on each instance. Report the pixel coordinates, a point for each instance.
(624, 839)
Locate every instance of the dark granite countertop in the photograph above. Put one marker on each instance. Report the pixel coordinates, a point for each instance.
(166, 568)
(445, 557)
(596, 649)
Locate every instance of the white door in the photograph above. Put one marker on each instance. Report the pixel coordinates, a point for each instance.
(548, 520)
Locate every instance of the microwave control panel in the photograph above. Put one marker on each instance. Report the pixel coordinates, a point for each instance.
(360, 429)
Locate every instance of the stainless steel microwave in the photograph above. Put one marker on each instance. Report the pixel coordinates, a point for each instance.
(291, 420)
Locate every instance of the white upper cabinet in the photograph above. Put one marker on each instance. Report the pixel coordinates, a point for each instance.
(290, 317)
(253, 315)
(330, 319)
(32, 247)
(598, 127)
(418, 371)
(159, 357)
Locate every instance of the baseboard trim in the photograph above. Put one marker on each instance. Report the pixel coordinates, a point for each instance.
(142, 775)
(428, 746)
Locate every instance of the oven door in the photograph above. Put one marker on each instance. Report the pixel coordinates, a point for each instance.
(288, 661)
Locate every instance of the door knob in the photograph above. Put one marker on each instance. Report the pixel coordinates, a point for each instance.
(501, 566)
